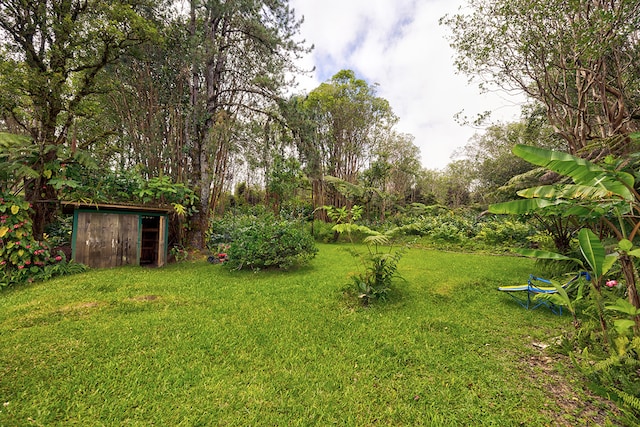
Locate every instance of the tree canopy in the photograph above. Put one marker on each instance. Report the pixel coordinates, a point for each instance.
(580, 59)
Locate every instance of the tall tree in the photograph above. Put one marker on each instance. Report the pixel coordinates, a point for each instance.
(492, 161)
(580, 59)
(242, 52)
(57, 51)
(342, 123)
(394, 171)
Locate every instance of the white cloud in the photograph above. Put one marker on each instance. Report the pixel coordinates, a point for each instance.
(400, 45)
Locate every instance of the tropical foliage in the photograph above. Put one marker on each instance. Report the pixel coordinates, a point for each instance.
(23, 258)
(259, 240)
(604, 199)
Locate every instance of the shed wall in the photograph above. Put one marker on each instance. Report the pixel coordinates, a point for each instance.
(106, 239)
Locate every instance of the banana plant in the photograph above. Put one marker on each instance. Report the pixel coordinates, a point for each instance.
(596, 194)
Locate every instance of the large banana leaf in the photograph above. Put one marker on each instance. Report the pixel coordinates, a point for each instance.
(569, 191)
(592, 250)
(583, 172)
(538, 254)
(522, 206)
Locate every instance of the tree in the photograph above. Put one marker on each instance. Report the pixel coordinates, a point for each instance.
(340, 124)
(57, 51)
(492, 161)
(394, 170)
(457, 179)
(241, 52)
(580, 59)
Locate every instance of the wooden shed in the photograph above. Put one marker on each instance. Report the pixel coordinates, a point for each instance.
(115, 235)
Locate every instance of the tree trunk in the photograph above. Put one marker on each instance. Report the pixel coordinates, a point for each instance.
(628, 269)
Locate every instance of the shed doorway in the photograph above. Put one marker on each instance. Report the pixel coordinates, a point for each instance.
(150, 240)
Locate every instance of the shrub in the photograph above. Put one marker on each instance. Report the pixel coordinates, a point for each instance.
(24, 259)
(381, 268)
(505, 232)
(261, 240)
(322, 231)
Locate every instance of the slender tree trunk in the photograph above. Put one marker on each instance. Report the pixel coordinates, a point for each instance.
(199, 220)
(628, 269)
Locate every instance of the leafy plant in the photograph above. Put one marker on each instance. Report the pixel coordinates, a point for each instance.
(22, 258)
(599, 195)
(261, 240)
(381, 269)
(380, 266)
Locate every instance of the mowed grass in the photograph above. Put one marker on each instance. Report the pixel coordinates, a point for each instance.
(192, 344)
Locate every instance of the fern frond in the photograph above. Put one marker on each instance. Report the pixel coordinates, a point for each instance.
(377, 239)
(629, 400)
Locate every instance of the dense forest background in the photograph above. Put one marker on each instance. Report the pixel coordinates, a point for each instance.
(133, 101)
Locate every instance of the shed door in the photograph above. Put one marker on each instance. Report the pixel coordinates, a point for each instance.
(106, 239)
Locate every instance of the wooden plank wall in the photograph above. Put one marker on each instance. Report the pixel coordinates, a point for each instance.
(106, 239)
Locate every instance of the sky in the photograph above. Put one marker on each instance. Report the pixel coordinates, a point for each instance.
(399, 45)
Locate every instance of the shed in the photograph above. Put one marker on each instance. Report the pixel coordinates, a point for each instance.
(115, 235)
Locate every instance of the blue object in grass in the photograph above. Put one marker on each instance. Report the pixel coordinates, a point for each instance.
(538, 286)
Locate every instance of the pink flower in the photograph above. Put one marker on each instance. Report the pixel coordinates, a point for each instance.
(611, 283)
(58, 258)
(27, 262)
(20, 267)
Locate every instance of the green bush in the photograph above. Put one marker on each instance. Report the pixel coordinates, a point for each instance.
(501, 231)
(449, 227)
(261, 240)
(22, 258)
(322, 231)
(381, 268)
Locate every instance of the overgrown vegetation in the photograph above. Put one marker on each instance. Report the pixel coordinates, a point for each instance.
(23, 258)
(259, 240)
(604, 199)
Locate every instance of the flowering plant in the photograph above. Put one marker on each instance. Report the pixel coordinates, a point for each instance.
(611, 283)
(22, 258)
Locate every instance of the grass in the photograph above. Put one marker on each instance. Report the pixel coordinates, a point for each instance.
(192, 344)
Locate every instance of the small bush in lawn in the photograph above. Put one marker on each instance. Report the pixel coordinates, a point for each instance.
(259, 241)
(380, 264)
(381, 269)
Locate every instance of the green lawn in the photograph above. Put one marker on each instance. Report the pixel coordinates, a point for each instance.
(192, 344)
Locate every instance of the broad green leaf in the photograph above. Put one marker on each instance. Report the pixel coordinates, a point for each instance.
(516, 207)
(625, 245)
(623, 306)
(580, 170)
(592, 250)
(583, 172)
(536, 253)
(609, 261)
(3, 231)
(582, 192)
(564, 297)
(612, 187)
(635, 253)
(15, 209)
